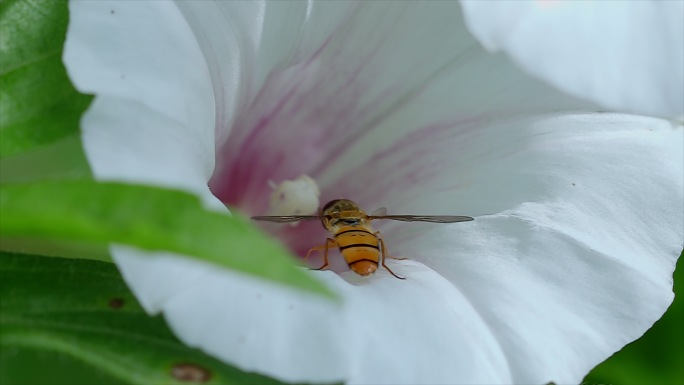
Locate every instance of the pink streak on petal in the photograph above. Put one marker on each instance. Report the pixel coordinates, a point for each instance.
(306, 117)
(296, 125)
(303, 118)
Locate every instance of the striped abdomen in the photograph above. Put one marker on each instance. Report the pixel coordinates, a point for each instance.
(360, 249)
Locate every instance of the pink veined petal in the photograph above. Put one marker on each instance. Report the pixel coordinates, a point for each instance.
(361, 74)
(585, 211)
(625, 55)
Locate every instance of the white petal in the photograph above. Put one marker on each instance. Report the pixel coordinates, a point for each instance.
(388, 331)
(229, 33)
(586, 224)
(127, 141)
(152, 120)
(626, 55)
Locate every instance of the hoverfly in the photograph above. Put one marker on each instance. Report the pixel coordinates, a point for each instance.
(361, 246)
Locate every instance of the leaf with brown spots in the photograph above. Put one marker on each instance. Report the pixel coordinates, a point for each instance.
(83, 311)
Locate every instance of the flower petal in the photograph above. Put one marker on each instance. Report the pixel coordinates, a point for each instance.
(229, 35)
(388, 331)
(362, 74)
(152, 120)
(625, 55)
(586, 223)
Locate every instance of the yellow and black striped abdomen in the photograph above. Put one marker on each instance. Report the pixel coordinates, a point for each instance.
(360, 248)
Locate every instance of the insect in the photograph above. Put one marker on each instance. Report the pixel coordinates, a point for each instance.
(361, 246)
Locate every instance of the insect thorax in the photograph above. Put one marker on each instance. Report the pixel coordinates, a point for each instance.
(342, 212)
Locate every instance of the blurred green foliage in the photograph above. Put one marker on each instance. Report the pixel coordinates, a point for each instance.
(150, 218)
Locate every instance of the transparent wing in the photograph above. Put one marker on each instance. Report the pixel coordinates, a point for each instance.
(287, 219)
(425, 218)
(381, 212)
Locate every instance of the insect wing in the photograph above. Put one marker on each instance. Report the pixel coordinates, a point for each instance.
(426, 218)
(381, 212)
(287, 219)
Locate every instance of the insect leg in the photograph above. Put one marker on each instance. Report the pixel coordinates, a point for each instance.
(311, 250)
(384, 255)
(325, 248)
(377, 234)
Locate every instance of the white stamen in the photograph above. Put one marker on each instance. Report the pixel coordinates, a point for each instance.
(295, 197)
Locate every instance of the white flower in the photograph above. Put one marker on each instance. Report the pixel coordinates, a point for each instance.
(578, 214)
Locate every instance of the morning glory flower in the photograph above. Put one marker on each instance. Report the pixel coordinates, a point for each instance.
(578, 215)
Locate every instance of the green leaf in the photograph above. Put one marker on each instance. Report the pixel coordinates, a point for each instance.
(38, 104)
(657, 357)
(18, 363)
(150, 218)
(82, 309)
(64, 159)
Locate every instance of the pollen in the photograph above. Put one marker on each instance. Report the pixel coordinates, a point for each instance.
(299, 196)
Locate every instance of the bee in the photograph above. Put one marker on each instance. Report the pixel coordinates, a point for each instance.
(362, 247)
